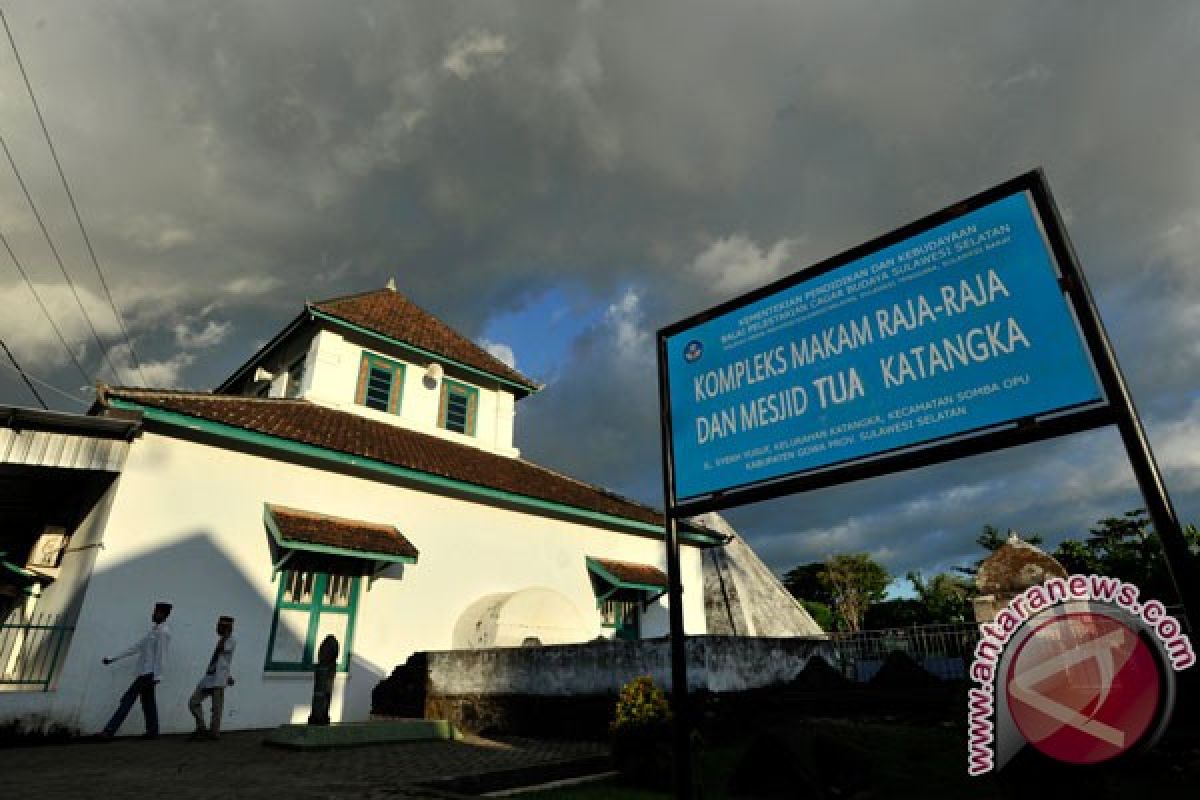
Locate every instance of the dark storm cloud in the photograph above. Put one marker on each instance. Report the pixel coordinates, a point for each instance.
(233, 159)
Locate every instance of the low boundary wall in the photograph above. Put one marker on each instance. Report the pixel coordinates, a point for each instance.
(569, 689)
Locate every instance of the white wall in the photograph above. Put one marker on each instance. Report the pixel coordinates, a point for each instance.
(332, 380)
(282, 358)
(186, 526)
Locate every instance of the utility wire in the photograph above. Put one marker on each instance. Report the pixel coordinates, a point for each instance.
(58, 259)
(24, 275)
(28, 382)
(74, 207)
(52, 387)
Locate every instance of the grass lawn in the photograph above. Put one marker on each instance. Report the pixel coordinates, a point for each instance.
(836, 759)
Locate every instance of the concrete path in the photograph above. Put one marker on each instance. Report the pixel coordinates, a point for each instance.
(240, 766)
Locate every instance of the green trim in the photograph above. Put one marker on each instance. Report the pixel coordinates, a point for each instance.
(274, 623)
(352, 611)
(421, 351)
(594, 567)
(395, 398)
(292, 544)
(624, 629)
(315, 609)
(472, 396)
(602, 599)
(314, 618)
(277, 567)
(332, 456)
(19, 571)
(356, 734)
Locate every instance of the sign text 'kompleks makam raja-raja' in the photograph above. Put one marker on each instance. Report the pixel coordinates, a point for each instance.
(960, 327)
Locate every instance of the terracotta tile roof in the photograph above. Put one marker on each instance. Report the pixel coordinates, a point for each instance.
(367, 537)
(341, 431)
(628, 572)
(390, 313)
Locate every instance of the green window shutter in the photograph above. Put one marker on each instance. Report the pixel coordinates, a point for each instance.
(312, 605)
(380, 383)
(458, 408)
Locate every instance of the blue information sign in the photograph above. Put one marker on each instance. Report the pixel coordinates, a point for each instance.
(959, 328)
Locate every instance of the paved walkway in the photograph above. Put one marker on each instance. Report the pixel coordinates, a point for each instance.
(241, 766)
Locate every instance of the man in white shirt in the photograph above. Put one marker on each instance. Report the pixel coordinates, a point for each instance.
(151, 652)
(212, 684)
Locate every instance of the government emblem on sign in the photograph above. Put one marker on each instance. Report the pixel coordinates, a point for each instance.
(692, 351)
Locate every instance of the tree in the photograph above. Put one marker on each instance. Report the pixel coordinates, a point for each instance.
(855, 581)
(1076, 558)
(945, 598)
(821, 614)
(991, 539)
(899, 612)
(1126, 547)
(805, 584)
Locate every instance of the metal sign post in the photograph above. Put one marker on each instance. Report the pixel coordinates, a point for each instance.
(681, 728)
(1180, 563)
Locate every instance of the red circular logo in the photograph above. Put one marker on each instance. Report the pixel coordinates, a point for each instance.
(1083, 688)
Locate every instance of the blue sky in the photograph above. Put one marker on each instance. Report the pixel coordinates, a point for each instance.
(542, 329)
(559, 180)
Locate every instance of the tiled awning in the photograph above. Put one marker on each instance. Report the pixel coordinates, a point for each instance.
(623, 580)
(320, 535)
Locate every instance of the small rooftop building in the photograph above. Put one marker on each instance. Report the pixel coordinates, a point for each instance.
(1014, 567)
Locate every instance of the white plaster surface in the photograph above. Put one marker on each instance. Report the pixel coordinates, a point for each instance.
(186, 526)
(332, 379)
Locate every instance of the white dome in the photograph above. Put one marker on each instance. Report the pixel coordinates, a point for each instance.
(514, 618)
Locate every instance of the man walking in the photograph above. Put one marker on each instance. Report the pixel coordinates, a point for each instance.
(213, 684)
(151, 651)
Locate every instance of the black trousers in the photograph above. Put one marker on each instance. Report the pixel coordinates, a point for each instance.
(142, 688)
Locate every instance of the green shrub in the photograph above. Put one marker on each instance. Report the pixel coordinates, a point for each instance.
(641, 734)
(640, 703)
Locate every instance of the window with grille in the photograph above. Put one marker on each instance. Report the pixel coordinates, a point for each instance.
(309, 607)
(622, 615)
(458, 407)
(380, 381)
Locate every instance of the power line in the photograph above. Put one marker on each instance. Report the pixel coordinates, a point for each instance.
(50, 317)
(74, 207)
(52, 387)
(28, 382)
(57, 258)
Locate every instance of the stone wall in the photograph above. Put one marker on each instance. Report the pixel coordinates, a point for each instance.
(569, 689)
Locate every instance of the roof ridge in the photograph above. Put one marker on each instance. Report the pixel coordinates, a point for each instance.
(204, 393)
(301, 512)
(353, 295)
(453, 345)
